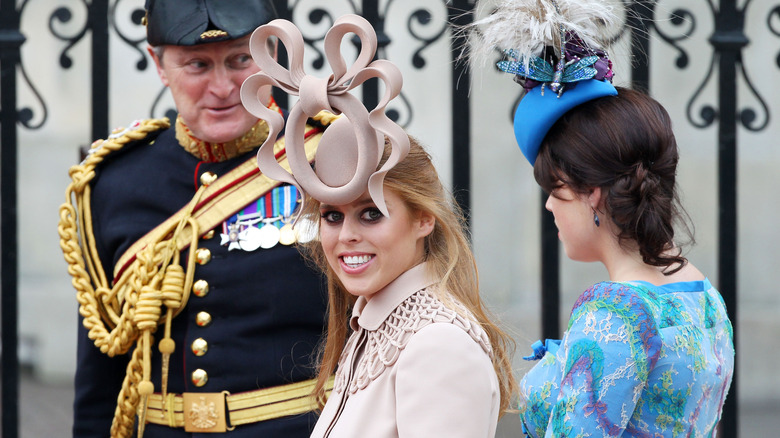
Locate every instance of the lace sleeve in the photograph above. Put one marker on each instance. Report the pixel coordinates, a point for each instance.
(611, 345)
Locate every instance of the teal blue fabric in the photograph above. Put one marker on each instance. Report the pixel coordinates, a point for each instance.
(636, 360)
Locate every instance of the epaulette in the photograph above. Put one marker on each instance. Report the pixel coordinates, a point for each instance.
(120, 137)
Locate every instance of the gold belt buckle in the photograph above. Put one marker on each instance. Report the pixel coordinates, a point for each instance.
(204, 412)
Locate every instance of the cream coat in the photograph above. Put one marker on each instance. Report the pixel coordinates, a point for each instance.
(412, 367)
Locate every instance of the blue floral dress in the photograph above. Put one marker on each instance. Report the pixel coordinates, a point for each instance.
(636, 360)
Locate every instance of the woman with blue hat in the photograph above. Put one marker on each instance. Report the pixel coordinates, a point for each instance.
(648, 352)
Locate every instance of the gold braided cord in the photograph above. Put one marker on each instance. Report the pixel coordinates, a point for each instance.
(128, 398)
(98, 300)
(128, 312)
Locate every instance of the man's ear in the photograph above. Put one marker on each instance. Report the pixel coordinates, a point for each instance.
(158, 64)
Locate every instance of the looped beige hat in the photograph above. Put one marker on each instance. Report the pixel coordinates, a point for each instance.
(351, 148)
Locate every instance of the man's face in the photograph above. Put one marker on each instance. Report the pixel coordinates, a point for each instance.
(205, 81)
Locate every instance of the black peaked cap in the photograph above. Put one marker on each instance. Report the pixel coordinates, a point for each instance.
(190, 22)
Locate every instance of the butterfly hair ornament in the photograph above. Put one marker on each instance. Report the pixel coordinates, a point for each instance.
(557, 45)
(350, 149)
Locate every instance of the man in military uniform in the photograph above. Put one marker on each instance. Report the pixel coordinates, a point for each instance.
(198, 313)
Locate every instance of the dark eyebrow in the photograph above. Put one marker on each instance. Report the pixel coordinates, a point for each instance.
(361, 203)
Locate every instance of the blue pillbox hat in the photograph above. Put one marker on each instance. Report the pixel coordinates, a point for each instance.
(537, 113)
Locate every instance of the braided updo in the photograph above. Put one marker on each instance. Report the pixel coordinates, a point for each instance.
(623, 144)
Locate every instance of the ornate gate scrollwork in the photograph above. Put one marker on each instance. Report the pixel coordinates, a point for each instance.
(426, 23)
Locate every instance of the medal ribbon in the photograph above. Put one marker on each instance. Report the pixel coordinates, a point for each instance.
(290, 198)
(280, 202)
(277, 207)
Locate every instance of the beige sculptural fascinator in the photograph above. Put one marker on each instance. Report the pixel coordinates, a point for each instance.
(351, 148)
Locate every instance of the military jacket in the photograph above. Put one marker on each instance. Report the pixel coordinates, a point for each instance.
(260, 318)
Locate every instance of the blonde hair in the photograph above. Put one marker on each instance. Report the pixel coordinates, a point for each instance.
(447, 253)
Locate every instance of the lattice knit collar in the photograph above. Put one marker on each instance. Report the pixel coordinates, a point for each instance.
(370, 314)
(216, 152)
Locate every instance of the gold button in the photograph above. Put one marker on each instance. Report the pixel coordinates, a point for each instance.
(207, 178)
(202, 256)
(200, 288)
(203, 319)
(200, 347)
(209, 235)
(199, 377)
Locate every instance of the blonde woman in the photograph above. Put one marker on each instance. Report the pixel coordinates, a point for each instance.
(409, 340)
(422, 357)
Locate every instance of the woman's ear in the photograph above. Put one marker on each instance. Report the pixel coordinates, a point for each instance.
(594, 198)
(426, 222)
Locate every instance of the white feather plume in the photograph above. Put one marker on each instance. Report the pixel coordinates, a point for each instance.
(529, 26)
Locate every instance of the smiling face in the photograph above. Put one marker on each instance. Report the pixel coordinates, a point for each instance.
(367, 250)
(205, 82)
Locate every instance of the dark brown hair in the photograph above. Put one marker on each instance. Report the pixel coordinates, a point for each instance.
(623, 144)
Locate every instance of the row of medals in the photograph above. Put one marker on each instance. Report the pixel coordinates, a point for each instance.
(244, 235)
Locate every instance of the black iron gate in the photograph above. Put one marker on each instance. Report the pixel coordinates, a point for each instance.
(727, 40)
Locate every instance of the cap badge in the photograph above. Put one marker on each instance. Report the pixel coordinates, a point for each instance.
(213, 33)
